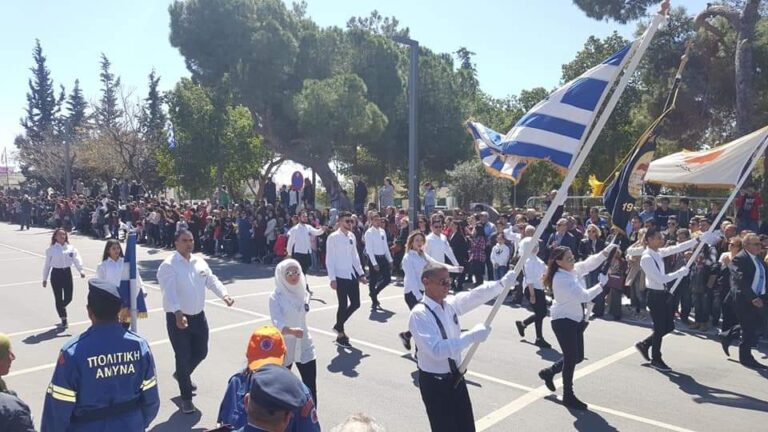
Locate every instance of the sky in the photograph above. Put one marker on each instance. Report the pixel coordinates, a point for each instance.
(518, 44)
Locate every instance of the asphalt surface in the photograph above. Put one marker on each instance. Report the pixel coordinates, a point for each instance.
(706, 391)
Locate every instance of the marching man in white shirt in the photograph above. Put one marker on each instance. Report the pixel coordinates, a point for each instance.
(183, 280)
(437, 244)
(435, 326)
(345, 273)
(660, 300)
(300, 243)
(377, 250)
(534, 270)
(59, 259)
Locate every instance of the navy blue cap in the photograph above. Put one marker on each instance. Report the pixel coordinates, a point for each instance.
(275, 388)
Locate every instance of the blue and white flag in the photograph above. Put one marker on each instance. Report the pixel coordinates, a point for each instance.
(554, 129)
(131, 277)
(170, 135)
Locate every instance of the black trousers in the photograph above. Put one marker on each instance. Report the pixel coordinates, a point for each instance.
(750, 322)
(305, 260)
(348, 294)
(190, 346)
(539, 312)
(411, 301)
(570, 336)
(379, 279)
(662, 308)
(61, 284)
(448, 407)
(308, 372)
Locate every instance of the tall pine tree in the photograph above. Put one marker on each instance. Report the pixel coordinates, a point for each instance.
(153, 117)
(108, 113)
(41, 101)
(76, 106)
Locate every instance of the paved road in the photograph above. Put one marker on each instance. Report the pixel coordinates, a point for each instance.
(707, 392)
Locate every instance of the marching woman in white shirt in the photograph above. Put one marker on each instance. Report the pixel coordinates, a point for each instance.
(288, 307)
(112, 269)
(660, 300)
(534, 270)
(59, 258)
(566, 279)
(414, 261)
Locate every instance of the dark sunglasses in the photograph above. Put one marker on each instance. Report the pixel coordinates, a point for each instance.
(292, 273)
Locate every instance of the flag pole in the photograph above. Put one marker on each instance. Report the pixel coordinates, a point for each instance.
(562, 193)
(752, 163)
(134, 289)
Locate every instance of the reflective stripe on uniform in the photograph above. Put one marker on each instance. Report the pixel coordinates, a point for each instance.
(148, 384)
(61, 393)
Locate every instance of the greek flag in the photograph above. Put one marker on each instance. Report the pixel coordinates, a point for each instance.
(130, 277)
(555, 128)
(170, 135)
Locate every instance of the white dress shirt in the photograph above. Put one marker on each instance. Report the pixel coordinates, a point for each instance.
(512, 236)
(58, 256)
(756, 288)
(500, 255)
(413, 265)
(112, 271)
(438, 248)
(652, 263)
(570, 291)
(533, 270)
(298, 238)
(341, 258)
(183, 284)
(434, 351)
(287, 313)
(376, 244)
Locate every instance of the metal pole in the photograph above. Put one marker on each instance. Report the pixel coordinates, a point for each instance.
(67, 170)
(413, 152)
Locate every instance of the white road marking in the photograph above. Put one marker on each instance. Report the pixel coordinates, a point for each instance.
(38, 282)
(535, 394)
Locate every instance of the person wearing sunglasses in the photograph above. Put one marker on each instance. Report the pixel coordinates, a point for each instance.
(437, 245)
(434, 323)
(345, 273)
(288, 307)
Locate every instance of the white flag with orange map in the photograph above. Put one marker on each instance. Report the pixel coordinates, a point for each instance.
(719, 167)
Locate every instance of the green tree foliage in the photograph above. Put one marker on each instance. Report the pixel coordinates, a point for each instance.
(468, 182)
(276, 58)
(622, 11)
(77, 117)
(108, 110)
(215, 140)
(40, 149)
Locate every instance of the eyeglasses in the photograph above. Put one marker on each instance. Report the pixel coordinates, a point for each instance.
(444, 282)
(349, 221)
(292, 273)
(437, 226)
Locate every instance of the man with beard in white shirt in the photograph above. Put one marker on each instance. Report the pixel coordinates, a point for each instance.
(437, 245)
(300, 242)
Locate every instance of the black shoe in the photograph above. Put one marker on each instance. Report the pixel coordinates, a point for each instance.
(725, 342)
(194, 386)
(187, 407)
(541, 343)
(571, 401)
(660, 365)
(406, 341)
(643, 350)
(64, 323)
(520, 328)
(549, 378)
(375, 305)
(343, 342)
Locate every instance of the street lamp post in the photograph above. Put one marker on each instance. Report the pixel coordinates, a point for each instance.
(413, 154)
(67, 169)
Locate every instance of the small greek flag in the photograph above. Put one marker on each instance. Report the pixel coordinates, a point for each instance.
(130, 277)
(170, 135)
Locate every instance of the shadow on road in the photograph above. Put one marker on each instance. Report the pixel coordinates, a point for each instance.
(586, 420)
(178, 421)
(346, 361)
(52, 333)
(713, 395)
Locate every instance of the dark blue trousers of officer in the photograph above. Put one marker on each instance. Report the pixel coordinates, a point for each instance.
(190, 347)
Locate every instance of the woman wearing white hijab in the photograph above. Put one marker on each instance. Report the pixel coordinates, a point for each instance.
(288, 307)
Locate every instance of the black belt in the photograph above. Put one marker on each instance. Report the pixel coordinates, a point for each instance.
(440, 376)
(106, 412)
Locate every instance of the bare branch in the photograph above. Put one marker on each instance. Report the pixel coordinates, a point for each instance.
(712, 11)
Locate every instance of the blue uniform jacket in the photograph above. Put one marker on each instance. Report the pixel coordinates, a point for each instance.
(232, 409)
(100, 372)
